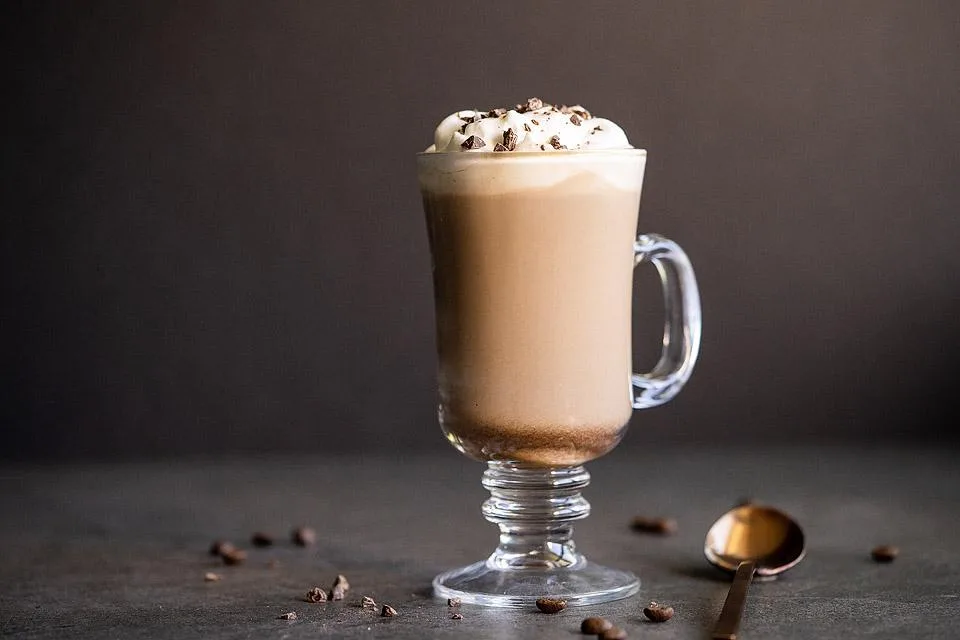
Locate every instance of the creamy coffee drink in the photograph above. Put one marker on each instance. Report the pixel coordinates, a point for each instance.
(532, 218)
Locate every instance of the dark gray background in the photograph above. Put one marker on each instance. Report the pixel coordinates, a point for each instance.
(212, 239)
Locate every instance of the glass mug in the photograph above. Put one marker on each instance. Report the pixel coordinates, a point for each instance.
(533, 257)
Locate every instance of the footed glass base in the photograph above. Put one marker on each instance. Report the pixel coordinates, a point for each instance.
(589, 583)
(535, 508)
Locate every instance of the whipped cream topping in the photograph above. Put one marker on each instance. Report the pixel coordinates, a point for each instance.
(531, 126)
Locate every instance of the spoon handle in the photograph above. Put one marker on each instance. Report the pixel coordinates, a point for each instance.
(726, 628)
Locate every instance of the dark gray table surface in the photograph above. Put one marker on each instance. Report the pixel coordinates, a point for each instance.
(120, 550)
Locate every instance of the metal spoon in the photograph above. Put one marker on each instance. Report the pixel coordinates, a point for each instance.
(747, 540)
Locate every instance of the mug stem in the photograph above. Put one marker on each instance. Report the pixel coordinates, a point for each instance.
(535, 508)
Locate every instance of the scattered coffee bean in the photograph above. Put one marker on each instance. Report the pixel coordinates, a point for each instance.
(366, 602)
(211, 577)
(613, 633)
(287, 616)
(261, 539)
(220, 547)
(303, 536)
(456, 616)
(316, 595)
(595, 626)
(453, 602)
(884, 553)
(659, 526)
(233, 556)
(658, 612)
(388, 611)
(551, 605)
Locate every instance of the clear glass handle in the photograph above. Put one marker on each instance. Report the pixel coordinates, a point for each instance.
(681, 332)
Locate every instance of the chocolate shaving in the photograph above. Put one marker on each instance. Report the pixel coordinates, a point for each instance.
(532, 104)
(555, 143)
(510, 139)
(473, 142)
(526, 127)
(579, 111)
(496, 113)
(534, 122)
(575, 119)
(500, 147)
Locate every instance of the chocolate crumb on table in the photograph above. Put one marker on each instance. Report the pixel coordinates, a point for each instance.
(884, 553)
(233, 556)
(261, 539)
(316, 595)
(658, 526)
(303, 536)
(219, 547)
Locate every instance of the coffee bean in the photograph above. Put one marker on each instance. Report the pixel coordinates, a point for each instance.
(261, 539)
(366, 602)
(551, 605)
(658, 612)
(233, 556)
(288, 616)
(595, 626)
(303, 536)
(219, 547)
(453, 602)
(388, 611)
(316, 595)
(658, 526)
(456, 616)
(211, 577)
(884, 553)
(613, 633)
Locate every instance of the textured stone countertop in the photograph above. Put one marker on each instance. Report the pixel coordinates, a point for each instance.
(120, 550)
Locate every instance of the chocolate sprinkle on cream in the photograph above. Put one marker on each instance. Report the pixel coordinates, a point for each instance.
(532, 104)
(496, 113)
(555, 143)
(526, 127)
(575, 119)
(473, 142)
(510, 139)
(500, 147)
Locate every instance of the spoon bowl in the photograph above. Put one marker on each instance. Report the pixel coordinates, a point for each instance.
(767, 536)
(750, 540)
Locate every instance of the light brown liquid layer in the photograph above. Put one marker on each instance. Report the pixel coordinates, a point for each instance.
(533, 294)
